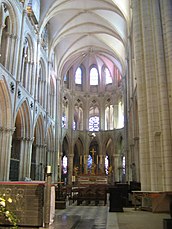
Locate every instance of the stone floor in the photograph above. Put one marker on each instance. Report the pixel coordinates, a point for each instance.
(99, 217)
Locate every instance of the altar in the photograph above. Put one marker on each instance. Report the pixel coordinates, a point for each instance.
(91, 179)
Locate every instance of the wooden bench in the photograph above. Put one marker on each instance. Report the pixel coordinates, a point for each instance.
(90, 194)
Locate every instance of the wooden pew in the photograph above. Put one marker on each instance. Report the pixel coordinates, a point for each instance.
(91, 193)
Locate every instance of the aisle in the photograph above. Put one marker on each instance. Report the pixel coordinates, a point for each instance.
(91, 217)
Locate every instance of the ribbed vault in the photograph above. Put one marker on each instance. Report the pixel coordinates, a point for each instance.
(80, 29)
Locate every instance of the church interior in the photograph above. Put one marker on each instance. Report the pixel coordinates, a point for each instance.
(86, 101)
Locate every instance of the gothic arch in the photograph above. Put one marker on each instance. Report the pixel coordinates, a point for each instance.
(23, 116)
(13, 15)
(6, 130)
(21, 142)
(78, 156)
(39, 130)
(109, 146)
(9, 32)
(6, 107)
(79, 145)
(65, 145)
(27, 63)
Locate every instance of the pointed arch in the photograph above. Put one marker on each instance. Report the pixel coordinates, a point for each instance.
(9, 32)
(23, 115)
(94, 76)
(27, 63)
(6, 106)
(6, 130)
(39, 130)
(21, 140)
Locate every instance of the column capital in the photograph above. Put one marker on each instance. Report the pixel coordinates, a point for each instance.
(7, 130)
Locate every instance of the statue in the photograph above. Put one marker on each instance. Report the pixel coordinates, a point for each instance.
(93, 169)
(76, 170)
(110, 170)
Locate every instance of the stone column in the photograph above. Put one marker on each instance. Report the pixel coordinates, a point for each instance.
(20, 51)
(2, 26)
(60, 166)
(70, 168)
(85, 164)
(31, 80)
(36, 73)
(11, 54)
(141, 94)
(102, 114)
(25, 158)
(5, 152)
(80, 164)
(165, 83)
(40, 160)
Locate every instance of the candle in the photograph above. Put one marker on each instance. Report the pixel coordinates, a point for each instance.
(48, 169)
(73, 178)
(80, 159)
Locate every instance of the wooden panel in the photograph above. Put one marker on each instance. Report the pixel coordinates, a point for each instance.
(28, 199)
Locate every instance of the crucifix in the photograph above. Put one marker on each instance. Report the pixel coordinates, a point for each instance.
(93, 167)
(93, 152)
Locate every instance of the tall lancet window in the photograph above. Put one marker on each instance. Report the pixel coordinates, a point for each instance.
(94, 78)
(64, 164)
(120, 123)
(106, 164)
(108, 78)
(78, 76)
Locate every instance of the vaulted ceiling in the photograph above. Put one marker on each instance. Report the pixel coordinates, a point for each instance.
(82, 29)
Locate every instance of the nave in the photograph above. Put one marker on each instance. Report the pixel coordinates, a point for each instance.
(99, 217)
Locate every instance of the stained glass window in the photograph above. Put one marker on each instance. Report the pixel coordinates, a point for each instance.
(63, 121)
(123, 165)
(64, 163)
(89, 162)
(94, 123)
(106, 164)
